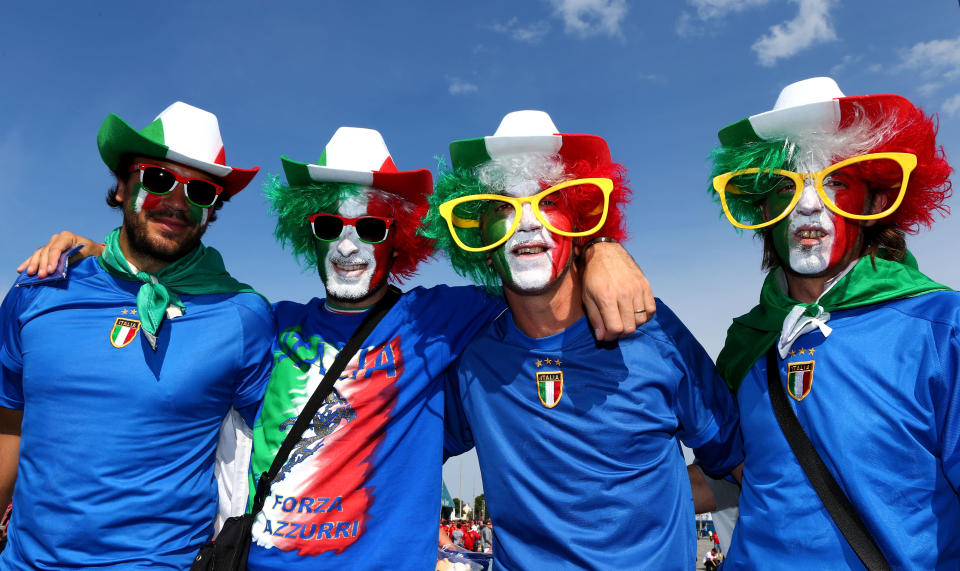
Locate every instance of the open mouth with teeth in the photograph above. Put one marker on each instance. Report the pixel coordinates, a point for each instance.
(809, 236)
(352, 270)
(529, 249)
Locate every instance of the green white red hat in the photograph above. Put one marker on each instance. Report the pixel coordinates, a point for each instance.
(528, 132)
(814, 105)
(360, 156)
(182, 134)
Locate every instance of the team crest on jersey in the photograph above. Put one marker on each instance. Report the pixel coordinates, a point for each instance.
(550, 387)
(123, 332)
(800, 379)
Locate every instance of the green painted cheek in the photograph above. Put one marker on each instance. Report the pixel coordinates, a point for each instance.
(494, 227)
(196, 213)
(781, 241)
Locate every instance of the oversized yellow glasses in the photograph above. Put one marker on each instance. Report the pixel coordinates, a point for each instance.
(590, 195)
(776, 192)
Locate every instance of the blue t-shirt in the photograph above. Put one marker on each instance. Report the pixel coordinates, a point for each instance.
(579, 443)
(118, 440)
(362, 488)
(880, 400)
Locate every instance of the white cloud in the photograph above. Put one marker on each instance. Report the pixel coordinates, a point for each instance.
(845, 62)
(713, 9)
(951, 106)
(585, 18)
(934, 58)
(811, 25)
(929, 88)
(461, 87)
(530, 34)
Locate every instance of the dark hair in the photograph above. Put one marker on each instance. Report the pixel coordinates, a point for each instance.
(123, 172)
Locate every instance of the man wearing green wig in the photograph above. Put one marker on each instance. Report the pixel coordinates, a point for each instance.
(113, 455)
(856, 348)
(578, 441)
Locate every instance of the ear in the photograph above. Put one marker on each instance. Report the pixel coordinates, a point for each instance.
(120, 194)
(879, 201)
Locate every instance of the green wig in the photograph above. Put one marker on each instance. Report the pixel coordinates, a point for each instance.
(764, 155)
(293, 204)
(454, 183)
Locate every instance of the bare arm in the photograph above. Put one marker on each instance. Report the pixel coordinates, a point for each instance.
(704, 498)
(9, 452)
(614, 288)
(44, 260)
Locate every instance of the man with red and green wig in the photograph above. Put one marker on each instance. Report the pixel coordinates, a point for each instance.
(865, 347)
(578, 440)
(115, 380)
(369, 465)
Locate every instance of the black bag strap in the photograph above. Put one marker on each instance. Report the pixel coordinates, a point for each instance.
(320, 394)
(832, 496)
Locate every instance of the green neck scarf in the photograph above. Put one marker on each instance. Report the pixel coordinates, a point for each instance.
(870, 281)
(198, 273)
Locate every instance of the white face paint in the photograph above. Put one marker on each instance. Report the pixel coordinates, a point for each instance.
(534, 257)
(350, 263)
(811, 232)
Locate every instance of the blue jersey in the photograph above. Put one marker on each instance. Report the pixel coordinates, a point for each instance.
(880, 400)
(579, 443)
(362, 488)
(118, 440)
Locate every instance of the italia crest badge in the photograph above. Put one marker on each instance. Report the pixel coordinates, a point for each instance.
(123, 332)
(550, 387)
(800, 379)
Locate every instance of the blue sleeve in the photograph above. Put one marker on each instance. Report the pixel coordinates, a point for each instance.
(457, 436)
(946, 403)
(466, 310)
(709, 419)
(256, 360)
(11, 360)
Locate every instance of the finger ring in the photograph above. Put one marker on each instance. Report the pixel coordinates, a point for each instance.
(640, 311)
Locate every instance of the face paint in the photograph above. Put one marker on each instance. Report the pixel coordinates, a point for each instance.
(812, 238)
(143, 200)
(533, 259)
(350, 268)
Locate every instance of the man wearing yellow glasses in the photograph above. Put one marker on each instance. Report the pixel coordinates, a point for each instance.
(862, 350)
(578, 441)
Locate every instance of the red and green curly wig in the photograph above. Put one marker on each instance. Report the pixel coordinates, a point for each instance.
(293, 204)
(457, 182)
(866, 124)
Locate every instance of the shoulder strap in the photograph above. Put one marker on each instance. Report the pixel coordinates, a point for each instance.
(839, 507)
(320, 394)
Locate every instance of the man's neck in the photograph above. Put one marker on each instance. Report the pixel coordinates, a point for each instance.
(550, 312)
(356, 304)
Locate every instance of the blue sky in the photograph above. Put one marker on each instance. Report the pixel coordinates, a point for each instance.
(655, 79)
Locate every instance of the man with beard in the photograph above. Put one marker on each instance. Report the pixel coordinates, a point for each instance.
(370, 462)
(866, 346)
(578, 440)
(113, 454)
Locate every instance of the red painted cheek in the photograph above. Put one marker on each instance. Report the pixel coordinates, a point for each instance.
(382, 253)
(151, 201)
(845, 237)
(564, 247)
(846, 230)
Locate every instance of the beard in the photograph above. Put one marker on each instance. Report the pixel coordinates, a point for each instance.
(141, 242)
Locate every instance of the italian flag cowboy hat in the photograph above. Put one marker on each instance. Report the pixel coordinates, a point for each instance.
(528, 132)
(182, 134)
(814, 105)
(359, 156)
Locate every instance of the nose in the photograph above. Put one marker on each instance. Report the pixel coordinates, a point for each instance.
(810, 202)
(528, 220)
(178, 198)
(347, 244)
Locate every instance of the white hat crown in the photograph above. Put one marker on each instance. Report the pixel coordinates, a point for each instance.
(356, 149)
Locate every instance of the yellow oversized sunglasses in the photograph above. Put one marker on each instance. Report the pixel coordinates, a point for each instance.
(759, 184)
(601, 186)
